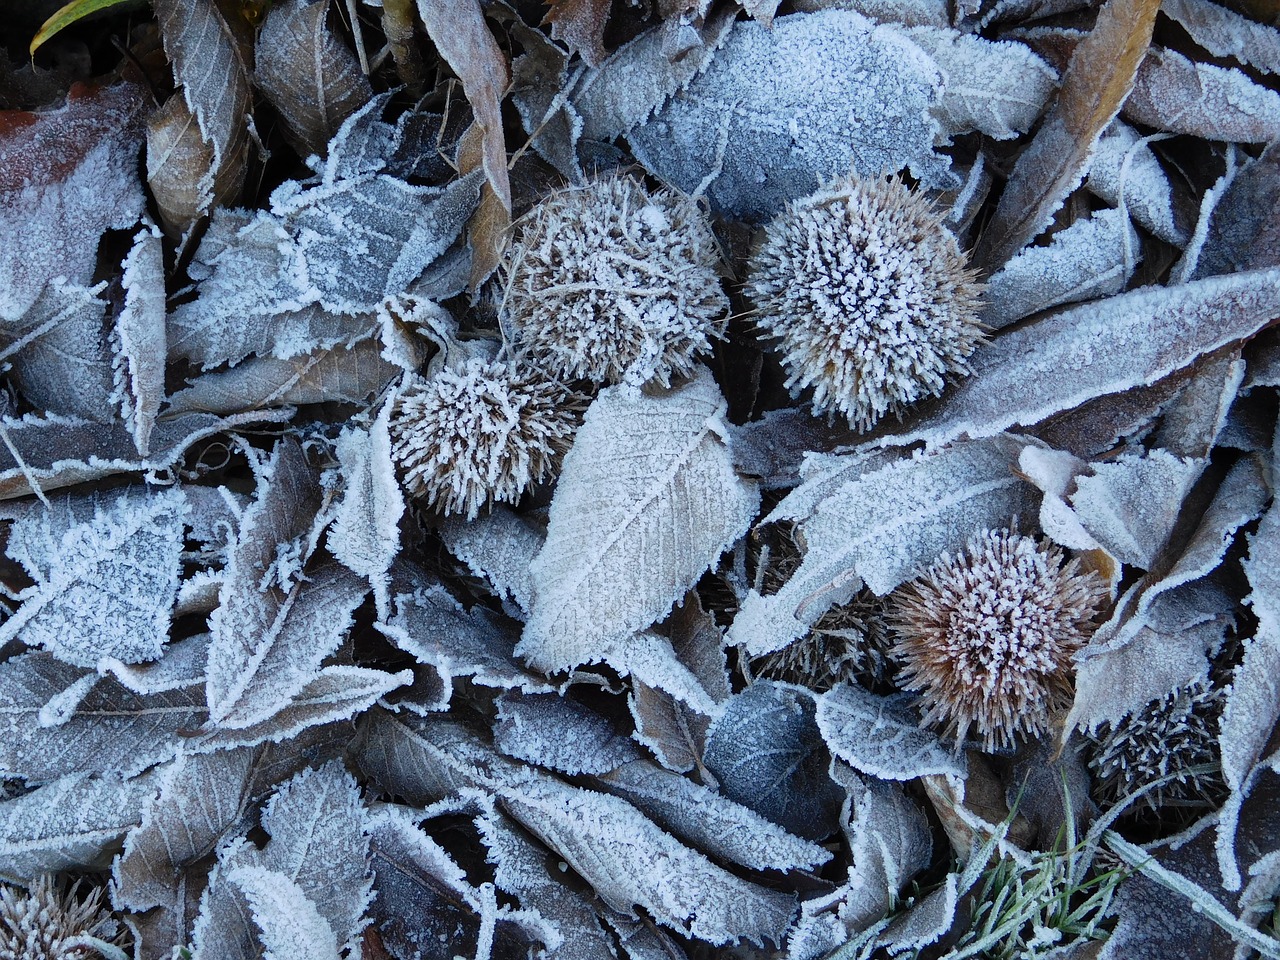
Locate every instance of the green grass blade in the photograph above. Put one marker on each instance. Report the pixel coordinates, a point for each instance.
(64, 17)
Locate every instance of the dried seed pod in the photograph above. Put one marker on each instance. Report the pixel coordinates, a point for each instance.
(871, 299)
(1175, 735)
(483, 434)
(987, 637)
(608, 282)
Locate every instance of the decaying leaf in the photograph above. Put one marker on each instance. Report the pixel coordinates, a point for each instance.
(106, 571)
(882, 525)
(1175, 94)
(68, 175)
(139, 336)
(752, 147)
(210, 63)
(1097, 81)
(307, 73)
(641, 468)
(580, 24)
(1131, 340)
(1126, 173)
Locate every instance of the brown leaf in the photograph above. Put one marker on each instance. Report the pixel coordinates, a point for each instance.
(211, 66)
(1098, 80)
(309, 75)
(66, 176)
(580, 24)
(177, 159)
(1175, 94)
(489, 229)
(461, 36)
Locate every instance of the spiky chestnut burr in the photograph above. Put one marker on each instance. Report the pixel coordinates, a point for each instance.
(1173, 736)
(483, 433)
(45, 924)
(986, 638)
(869, 296)
(608, 282)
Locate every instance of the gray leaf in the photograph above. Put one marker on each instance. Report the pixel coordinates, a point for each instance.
(872, 736)
(768, 755)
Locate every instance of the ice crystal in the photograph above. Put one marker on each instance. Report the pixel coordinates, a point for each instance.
(986, 637)
(1175, 736)
(871, 299)
(467, 438)
(44, 924)
(609, 282)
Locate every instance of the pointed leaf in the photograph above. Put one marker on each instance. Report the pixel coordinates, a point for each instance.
(288, 923)
(1175, 94)
(869, 734)
(307, 74)
(1029, 373)
(646, 502)
(140, 336)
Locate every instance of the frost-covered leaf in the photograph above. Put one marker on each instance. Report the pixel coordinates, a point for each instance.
(365, 535)
(59, 355)
(109, 729)
(423, 760)
(1093, 257)
(710, 821)
(768, 755)
(109, 577)
(1253, 703)
(647, 498)
(997, 87)
(66, 176)
(560, 734)
(341, 374)
(640, 77)
(290, 281)
(201, 798)
(650, 659)
(274, 624)
(288, 923)
(844, 93)
(1245, 223)
(890, 843)
(336, 693)
(178, 162)
(675, 731)
(181, 666)
(318, 841)
(73, 823)
(521, 869)
(1125, 172)
(500, 546)
(433, 627)
(464, 42)
(872, 736)
(139, 336)
(209, 62)
(882, 526)
(614, 847)
(1096, 83)
(1225, 33)
(426, 907)
(1194, 420)
(579, 24)
(48, 453)
(1178, 95)
(1130, 505)
(1140, 657)
(1029, 373)
(307, 74)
